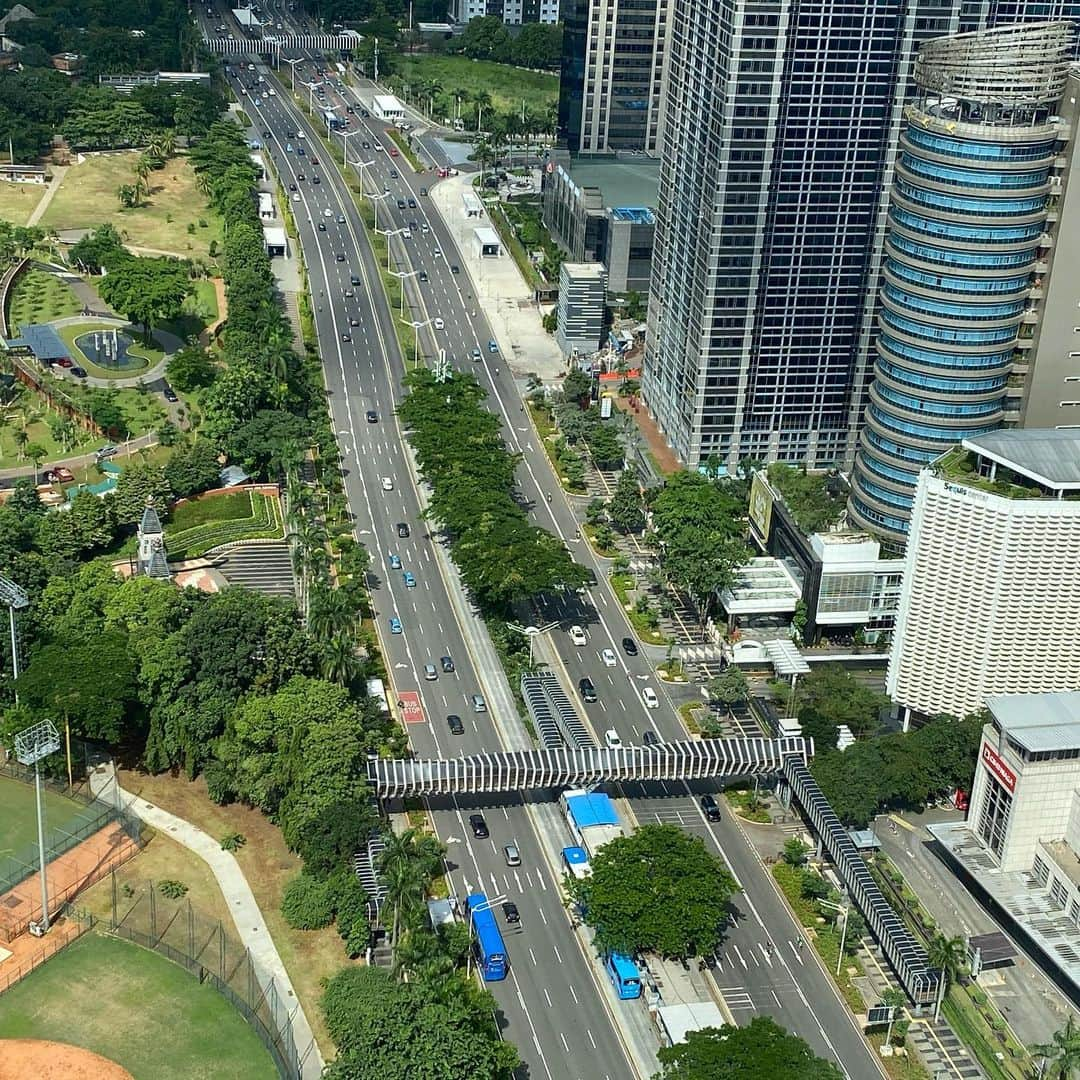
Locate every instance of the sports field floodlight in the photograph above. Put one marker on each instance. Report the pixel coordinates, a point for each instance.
(32, 745)
(16, 599)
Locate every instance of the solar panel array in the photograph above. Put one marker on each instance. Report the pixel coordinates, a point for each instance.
(543, 717)
(907, 957)
(519, 770)
(576, 732)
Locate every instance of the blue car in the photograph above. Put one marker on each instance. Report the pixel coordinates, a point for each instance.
(493, 345)
(395, 562)
(410, 581)
(395, 625)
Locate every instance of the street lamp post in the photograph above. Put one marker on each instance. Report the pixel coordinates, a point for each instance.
(485, 906)
(32, 745)
(388, 233)
(401, 275)
(843, 910)
(292, 71)
(345, 136)
(532, 633)
(361, 166)
(417, 327)
(310, 87)
(376, 199)
(16, 599)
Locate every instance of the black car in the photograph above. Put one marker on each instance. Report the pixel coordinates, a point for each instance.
(266, 133)
(423, 275)
(412, 204)
(587, 690)
(372, 416)
(454, 268)
(364, 113)
(423, 191)
(510, 912)
(709, 808)
(346, 337)
(453, 722)
(366, 145)
(478, 826)
(78, 372)
(300, 176)
(288, 134)
(322, 226)
(341, 258)
(403, 530)
(447, 663)
(354, 278)
(401, 204)
(292, 187)
(629, 646)
(315, 180)
(170, 393)
(650, 738)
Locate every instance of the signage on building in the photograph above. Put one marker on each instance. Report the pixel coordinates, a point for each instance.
(999, 768)
(761, 504)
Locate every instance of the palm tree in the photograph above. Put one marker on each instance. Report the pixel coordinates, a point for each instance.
(21, 439)
(483, 101)
(339, 662)
(1062, 1053)
(947, 955)
(331, 614)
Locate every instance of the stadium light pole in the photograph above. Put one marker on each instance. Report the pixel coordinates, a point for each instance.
(32, 745)
(487, 905)
(16, 599)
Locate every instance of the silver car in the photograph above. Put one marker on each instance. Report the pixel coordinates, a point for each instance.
(512, 855)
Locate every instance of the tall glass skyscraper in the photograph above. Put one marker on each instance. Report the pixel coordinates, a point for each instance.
(967, 223)
(779, 138)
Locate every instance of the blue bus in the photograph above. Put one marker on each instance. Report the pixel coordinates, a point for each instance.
(624, 975)
(489, 947)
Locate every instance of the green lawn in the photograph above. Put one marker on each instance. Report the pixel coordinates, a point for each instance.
(506, 84)
(39, 297)
(87, 198)
(234, 506)
(138, 1009)
(17, 201)
(222, 522)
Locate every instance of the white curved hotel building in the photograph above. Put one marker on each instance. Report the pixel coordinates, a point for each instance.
(991, 597)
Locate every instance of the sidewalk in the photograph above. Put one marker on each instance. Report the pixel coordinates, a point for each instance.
(234, 887)
(127, 449)
(58, 173)
(505, 297)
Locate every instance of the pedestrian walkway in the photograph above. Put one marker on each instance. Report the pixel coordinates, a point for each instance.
(499, 289)
(58, 173)
(247, 918)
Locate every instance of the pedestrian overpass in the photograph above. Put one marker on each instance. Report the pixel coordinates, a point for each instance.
(523, 770)
(275, 45)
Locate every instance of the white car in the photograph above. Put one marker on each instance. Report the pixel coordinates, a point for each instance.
(328, 212)
(648, 695)
(272, 92)
(378, 146)
(611, 737)
(387, 483)
(438, 250)
(296, 196)
(577, 635)
(407, 234)
(609, 658)
(439, 324)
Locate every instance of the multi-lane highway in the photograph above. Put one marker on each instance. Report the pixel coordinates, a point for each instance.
(553, 1009)
(551, 1004)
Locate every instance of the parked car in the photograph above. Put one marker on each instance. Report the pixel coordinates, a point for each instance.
(478, 826)
(170, 393)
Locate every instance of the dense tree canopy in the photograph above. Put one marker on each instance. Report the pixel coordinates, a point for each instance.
(657, 890)
(147, 291)
(831, 695)
(762, 1050)
(502, 557)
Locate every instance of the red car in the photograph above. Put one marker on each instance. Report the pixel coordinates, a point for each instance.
(60, 475)
(393, 151)
(64, 362)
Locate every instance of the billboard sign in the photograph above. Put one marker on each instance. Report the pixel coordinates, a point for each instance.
(1000, 770)
(761, 504)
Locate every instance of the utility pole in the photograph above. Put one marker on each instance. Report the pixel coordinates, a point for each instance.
(376, 79)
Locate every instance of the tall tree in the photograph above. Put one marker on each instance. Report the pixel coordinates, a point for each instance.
(1062, 1053)
(147, 290)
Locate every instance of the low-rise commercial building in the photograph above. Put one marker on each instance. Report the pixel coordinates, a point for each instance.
(1018, 851)
(990, 602)
(600, 210)
(387, 107)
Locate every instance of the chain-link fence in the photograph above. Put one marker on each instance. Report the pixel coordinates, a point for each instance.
(206, 949)
(83, 814)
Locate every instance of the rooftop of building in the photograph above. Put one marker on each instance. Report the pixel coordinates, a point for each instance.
(1028, 910)
(1039, 722)
(1044, 465)
(626, 185)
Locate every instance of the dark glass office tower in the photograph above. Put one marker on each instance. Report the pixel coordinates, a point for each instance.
(612, 74)
(780, 131)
